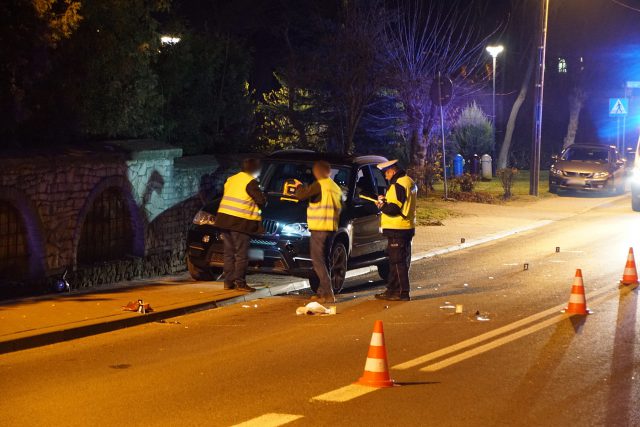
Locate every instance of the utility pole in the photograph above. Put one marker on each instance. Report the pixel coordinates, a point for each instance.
(534, 168)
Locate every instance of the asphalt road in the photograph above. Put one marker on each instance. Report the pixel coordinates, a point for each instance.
(527, 365)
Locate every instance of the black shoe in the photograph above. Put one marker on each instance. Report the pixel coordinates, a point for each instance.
(229, 286)
(393, 297)
(243, 287)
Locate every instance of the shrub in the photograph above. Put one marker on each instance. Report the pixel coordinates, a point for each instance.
(507, 176)
(472, 132)
(466, 183)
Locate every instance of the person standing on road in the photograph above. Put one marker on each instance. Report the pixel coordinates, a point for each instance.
(323, 214)
(239, 217)
(398, 220)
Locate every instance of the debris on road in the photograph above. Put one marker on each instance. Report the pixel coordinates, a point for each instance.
(458, 308)
(170, 322)
(249, 306)
(138, 306)
(482, 317)
(447, 305)
(315, 308)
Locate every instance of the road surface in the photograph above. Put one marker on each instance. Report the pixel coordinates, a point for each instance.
(527, 365)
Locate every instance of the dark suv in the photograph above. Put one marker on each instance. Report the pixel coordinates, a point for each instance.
(284, 246)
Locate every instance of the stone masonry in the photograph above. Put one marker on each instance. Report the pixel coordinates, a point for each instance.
(54, 192)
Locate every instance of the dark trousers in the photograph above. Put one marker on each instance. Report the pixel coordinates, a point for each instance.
(236, 257)
(399, 249)
(320, 240)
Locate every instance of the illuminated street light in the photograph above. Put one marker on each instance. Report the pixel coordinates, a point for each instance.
(169, 40)
(494, 51)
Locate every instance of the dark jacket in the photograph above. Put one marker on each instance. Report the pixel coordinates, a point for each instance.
(242, 225)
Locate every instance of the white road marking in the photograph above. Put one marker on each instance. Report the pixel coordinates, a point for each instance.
(486, 336)
(346, 393)
(504, 340)
(270, 420)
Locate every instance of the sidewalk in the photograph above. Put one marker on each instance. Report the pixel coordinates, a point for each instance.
(32, 322)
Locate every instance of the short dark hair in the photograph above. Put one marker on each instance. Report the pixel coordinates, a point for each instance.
(251, 165)
(323, 166)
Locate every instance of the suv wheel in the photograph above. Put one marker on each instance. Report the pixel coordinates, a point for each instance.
(199, 274)
(338, 259)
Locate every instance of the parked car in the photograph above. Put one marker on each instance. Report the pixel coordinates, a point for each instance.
(284, 246)
(588, 167)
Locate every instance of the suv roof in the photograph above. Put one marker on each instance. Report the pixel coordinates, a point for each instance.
(311, 156)
(591, 145)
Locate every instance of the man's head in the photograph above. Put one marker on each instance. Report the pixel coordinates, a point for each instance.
(321, 169)
(251, 166)
(389, 169)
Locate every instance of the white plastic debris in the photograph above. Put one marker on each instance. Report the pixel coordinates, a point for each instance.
(314, 308)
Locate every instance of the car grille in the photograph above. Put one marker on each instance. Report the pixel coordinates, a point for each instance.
(261, 242)
(270, 227)
(578, 174)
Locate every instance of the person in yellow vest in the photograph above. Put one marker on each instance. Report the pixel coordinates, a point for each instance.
(323, 214)
(398, 223)
(239, 217)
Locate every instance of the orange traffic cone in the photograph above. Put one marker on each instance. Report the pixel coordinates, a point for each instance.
(376, 370)
(630, 275)
(577, 300)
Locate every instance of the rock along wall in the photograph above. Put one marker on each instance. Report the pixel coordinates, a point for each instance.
(55, 192)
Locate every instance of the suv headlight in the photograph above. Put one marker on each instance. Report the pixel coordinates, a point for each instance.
(555, 171)
(204, 218)
(300, 229)
(599, 175)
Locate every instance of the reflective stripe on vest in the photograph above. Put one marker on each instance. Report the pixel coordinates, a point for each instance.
(407, 220)
(324, 215)
(236, 201)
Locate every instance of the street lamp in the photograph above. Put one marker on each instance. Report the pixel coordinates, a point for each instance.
(534, 168)
(494, 51)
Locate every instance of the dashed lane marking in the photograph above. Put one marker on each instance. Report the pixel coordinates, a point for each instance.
(504, 340)
(270, 420)
(487, 336)
(345, 394)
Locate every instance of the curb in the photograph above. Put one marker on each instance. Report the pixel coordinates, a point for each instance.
(82, 331)
(53, 337)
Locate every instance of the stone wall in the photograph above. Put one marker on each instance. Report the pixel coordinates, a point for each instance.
(54, 192)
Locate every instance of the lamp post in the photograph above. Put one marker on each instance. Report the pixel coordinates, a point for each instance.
(494, 51)
(534, 168)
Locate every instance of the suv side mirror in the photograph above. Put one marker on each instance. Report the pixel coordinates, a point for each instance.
(554, 157)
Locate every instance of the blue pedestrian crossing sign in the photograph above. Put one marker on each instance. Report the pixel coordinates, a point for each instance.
(618, 107)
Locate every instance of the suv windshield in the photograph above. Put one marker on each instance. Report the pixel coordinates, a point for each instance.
(583, 154)
(275, 176)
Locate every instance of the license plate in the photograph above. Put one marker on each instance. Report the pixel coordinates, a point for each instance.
(256, 255)
(575, 181)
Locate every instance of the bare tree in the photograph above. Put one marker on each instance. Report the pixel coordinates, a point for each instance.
(420, 42)
(513, 116)
(576, 102)
(347, 67)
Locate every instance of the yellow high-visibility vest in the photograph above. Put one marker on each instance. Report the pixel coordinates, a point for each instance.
(407, 220)
(324, 215)
(236, 201)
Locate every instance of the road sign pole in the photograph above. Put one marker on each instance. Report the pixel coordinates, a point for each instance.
(618, 133)
(624, 134)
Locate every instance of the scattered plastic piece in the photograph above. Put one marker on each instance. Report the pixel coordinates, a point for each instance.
(465, 285)
(458, 308)
(447, 306)
(250, 306)
(313, 308)
(386, 306)
(526, 266)
(419, 287)
(481, 317)
(557, 249)
(490, 277)
(462, 240)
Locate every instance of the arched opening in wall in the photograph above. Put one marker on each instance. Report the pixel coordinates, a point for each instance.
(14, 249)
(106, 232)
